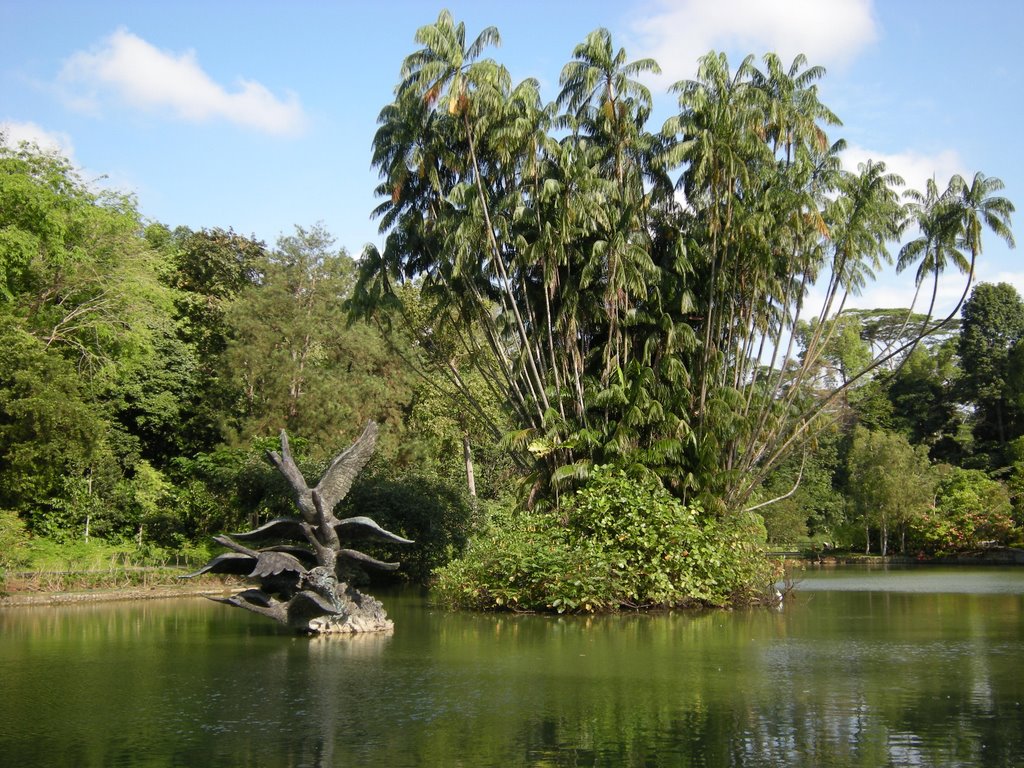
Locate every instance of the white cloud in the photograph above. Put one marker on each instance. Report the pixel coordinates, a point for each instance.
(678, 32)
(915, 167)
(143, 76)
(16, 132)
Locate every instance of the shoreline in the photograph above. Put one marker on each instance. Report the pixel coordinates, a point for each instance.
(990, 556)
(27, 598)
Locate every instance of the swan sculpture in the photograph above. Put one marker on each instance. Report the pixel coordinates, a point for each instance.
(304, 585)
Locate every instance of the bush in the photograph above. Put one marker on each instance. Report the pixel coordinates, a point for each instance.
(970, 508)
(14, 540)
(621, 543)
(437, 519)
(232, 489)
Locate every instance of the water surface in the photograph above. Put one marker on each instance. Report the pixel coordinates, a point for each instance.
(859, 668)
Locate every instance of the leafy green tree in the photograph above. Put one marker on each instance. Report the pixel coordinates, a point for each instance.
(209, 269)
(94, 369)
(295, 362)
(898, 331)
(843, 356)
(993, 323)
(924, 406)
(78, 276)
(51, 436)
(970, 508)
(890, 483)
(808, 505)
(438, 518)
(453, 443)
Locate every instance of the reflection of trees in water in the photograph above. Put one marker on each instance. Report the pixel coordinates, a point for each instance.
(854, 679)
(741, 689)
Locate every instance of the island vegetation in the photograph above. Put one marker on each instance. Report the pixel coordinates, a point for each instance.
(590, 343)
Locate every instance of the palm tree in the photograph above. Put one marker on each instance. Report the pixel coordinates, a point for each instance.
(445, 71)
(720, 145)
(936, 246)
(951, 223)
(861, 220)
(598, 76)
(793, 110)
(601, 94)
(864, 216)
(609, 106)
(977, 207)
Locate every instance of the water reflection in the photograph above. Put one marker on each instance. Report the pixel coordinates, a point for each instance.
(839, 677)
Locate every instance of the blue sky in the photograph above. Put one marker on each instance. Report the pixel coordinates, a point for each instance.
(259, 115)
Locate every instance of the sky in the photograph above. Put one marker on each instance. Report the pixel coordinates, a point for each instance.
(259, 116)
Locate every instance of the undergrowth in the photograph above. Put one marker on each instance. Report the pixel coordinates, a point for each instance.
(619, 542)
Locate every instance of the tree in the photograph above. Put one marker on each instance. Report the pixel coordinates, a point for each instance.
(94, 371)
(292, 358)
(209, 268)
(845, 354)
(627, 319)
(924, 405)
(970, 508)
(811, 507)
(993, 323)
(607, 106)
(977, 208)
(890, 482)
(50, 434)
(936, 246)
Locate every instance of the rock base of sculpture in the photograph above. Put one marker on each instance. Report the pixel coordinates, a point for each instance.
(360, 613)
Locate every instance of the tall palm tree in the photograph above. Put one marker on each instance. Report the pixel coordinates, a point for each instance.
(721, 146)
(442, 70)
(794, 113)
(978, 207)
(862, 220)
(602, 95)
(600, 76)
(446, 71)
(936, 247)
(951, 223)
(607, 104)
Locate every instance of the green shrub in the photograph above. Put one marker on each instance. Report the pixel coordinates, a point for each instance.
(14, 539)
(437, 518)
(970, 508)
(620, 543)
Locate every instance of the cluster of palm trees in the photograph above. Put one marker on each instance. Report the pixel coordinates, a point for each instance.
(630, 294)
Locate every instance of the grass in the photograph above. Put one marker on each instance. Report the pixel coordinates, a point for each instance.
(43, 565)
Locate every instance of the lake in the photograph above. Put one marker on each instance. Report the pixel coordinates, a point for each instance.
(915, 667)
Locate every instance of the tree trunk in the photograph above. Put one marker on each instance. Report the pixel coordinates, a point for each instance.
(467, 454)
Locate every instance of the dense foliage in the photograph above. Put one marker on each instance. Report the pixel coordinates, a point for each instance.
(145, 371)
(620, 543)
